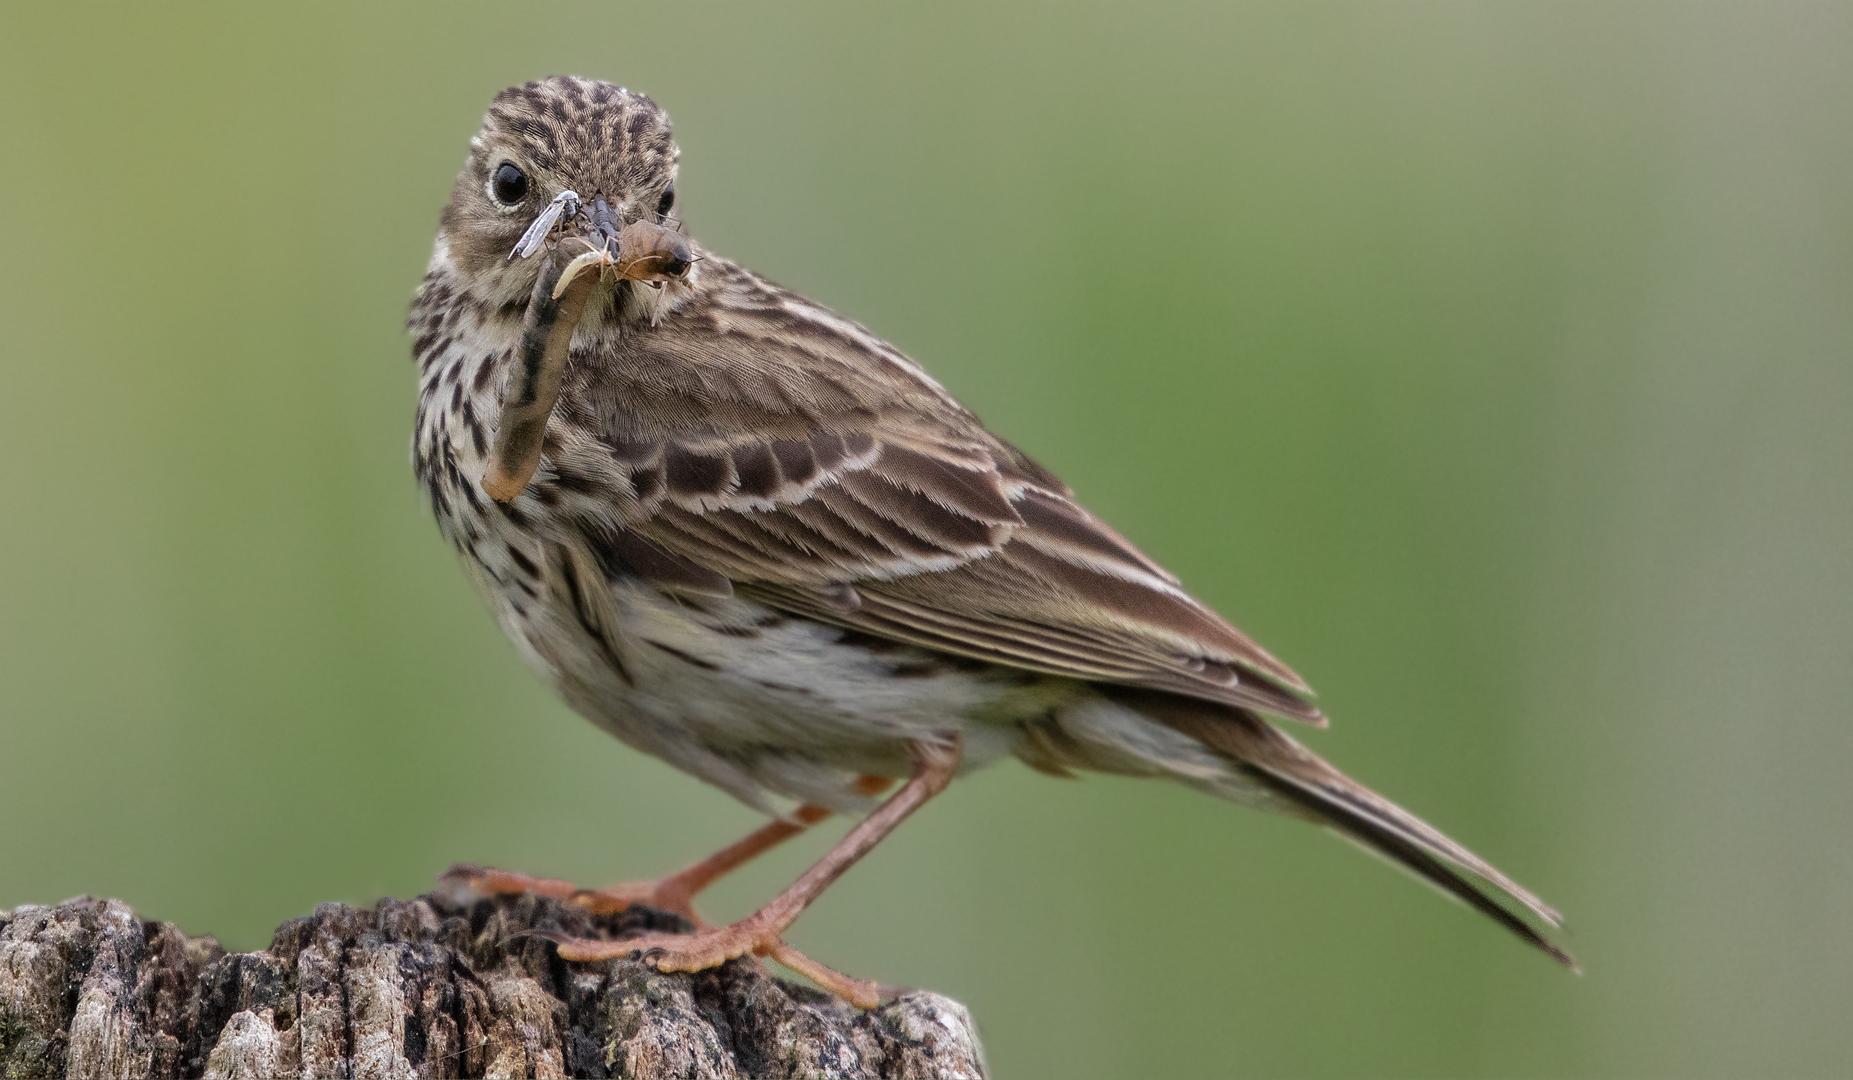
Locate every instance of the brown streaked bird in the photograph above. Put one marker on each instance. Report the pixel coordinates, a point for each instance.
(742, 533)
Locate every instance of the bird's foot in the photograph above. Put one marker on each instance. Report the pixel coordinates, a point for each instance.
(705, 948)
(669, 894)
(664, 894)
(713, 946)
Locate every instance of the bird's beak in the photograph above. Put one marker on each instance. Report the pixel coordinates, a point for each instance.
(592, 243)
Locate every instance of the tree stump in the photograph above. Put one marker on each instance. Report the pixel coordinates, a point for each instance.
(444, 985)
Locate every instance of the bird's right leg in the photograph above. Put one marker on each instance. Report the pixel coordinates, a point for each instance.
(760, 934)
(675, 893)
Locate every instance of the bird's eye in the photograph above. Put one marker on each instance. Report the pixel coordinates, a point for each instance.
(510, 183)
(667, 202)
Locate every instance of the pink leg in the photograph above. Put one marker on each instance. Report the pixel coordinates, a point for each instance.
(759, 933)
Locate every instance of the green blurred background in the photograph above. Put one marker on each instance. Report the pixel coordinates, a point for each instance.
(1492, 364)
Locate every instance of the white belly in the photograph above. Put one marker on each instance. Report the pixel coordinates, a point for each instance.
(760, 704)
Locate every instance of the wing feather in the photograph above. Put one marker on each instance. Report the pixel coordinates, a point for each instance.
(977, 562)
(796, 458)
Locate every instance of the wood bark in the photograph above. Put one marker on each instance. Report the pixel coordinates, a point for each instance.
(444, 985)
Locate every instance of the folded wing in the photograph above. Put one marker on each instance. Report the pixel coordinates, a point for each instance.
(949, 540)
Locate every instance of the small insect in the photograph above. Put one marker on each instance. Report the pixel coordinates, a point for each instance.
(554, 309)
(565, 204)
(597, 255)
(653, 253)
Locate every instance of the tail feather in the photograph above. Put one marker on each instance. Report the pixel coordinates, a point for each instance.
(1304, 784)
(1338, 799)
(1340, 812)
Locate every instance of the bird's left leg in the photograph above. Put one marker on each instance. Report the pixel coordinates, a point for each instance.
(758, 934)
(675, 893)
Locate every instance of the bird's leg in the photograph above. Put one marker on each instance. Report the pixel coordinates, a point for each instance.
(759, 933)
(677, 891)
(674, 893)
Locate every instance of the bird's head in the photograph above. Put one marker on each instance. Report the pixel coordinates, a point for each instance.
(562, 167)
(560, 225)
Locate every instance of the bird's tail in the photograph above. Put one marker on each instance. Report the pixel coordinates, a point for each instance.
(1301, 783)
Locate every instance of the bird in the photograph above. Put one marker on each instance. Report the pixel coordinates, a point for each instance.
(744, 534)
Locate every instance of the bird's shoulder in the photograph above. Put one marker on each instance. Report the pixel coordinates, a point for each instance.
(743, 352)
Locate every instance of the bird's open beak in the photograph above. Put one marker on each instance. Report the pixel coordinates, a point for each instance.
(580, 246)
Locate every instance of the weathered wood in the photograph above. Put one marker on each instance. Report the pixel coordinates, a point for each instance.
(433, 987)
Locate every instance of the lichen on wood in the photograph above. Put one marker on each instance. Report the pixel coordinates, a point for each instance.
(444, 985)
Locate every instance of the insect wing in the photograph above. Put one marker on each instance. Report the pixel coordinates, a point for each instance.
(566, 202)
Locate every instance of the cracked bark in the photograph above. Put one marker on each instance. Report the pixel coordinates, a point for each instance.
(433, 987)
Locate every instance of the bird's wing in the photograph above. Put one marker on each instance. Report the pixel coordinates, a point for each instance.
(843, 485)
